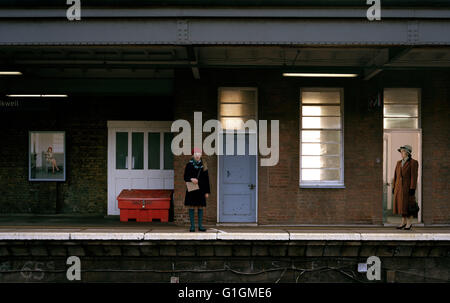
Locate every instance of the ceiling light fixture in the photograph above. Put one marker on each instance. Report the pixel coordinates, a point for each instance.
(37, 96)
(10, 73)
(329, 75)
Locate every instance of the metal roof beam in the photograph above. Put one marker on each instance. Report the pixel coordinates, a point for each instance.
(224, 31)
(227, 12)
(238, 3)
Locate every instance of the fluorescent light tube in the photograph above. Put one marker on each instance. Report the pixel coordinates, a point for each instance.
(37, 96)
(320, 75)
(10, 73)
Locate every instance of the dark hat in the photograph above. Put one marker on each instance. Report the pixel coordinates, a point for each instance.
(408, 148)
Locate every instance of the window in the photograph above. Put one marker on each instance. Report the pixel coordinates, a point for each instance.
(401, 108)
(321, 137)
(236, 106)
(159, 150)
(151, 147)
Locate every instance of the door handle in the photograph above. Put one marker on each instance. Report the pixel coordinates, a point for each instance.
(228, 173)
(251, 186)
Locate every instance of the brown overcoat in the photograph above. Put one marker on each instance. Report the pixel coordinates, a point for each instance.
(405, 178)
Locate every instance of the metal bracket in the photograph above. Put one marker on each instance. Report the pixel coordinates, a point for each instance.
(413, 32)
(182, 31)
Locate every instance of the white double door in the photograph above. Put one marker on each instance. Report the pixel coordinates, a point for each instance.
(138, 158)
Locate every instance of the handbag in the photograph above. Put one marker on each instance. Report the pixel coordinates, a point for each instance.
(413, 207)
(191, 186)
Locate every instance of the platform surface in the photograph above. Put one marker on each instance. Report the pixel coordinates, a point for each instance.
(88, 227)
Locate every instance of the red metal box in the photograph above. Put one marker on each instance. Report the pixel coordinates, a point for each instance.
(144, 205)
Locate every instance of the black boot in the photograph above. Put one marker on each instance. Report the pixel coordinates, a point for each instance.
(200, 218)
(192, 219)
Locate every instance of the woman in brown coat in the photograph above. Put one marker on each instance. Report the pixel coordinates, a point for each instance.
(405, 183)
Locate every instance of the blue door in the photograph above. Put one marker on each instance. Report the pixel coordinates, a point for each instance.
(237, 182)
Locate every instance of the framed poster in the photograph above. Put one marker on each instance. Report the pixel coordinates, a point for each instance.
(47, 156)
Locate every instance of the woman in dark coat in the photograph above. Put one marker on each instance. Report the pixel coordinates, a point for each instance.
(405, 183)
(196, 172)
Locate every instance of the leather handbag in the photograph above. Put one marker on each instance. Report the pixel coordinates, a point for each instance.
(413, 207)
(191, 186)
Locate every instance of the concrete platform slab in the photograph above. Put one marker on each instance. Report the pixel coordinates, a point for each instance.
(417, 236)
(109, 234)
(338, 236)
(180, 234)
(24, 235)
(251, 233)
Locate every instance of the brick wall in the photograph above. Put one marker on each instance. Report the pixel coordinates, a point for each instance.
(85, 121)
(191, 96)
(224, 261)
(281, 201)
(436, 145)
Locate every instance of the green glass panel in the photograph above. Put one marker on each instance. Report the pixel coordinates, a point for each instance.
(168, 155)
(137, 150)
(121, 150)
(153, 150)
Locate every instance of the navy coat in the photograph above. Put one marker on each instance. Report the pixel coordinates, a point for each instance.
(196, 197)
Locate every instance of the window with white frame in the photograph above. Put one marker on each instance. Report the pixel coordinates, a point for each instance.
(321, 137)
(158, 149)
(401, 108)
